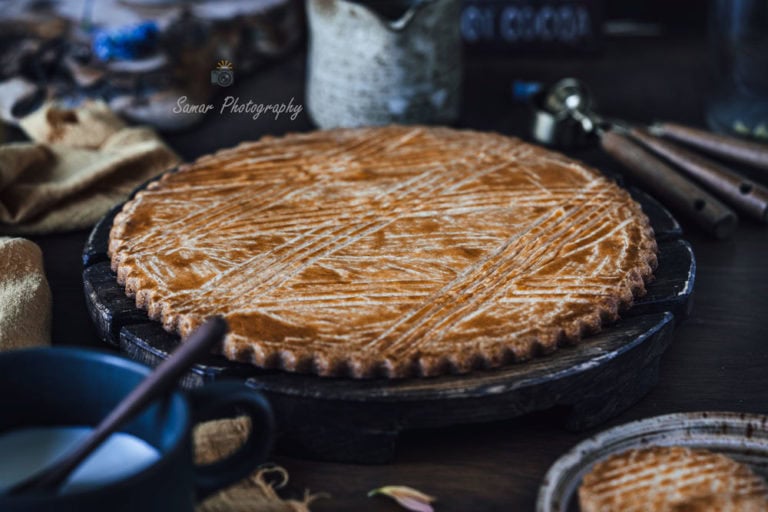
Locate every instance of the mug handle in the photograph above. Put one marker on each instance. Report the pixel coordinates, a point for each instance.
(206, 402)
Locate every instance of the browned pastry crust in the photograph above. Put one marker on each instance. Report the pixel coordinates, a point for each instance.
(672, 479)
(394, 251)
(725, 503)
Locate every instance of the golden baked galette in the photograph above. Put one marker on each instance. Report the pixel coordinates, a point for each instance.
(395, 251)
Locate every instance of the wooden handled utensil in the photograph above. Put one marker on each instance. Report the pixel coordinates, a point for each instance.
(668, 185)
(563, 115)
(730, 148)
(743, 194)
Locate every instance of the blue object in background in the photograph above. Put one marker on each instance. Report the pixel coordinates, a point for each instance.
(523, 90)
(530, 26)
(126, 43)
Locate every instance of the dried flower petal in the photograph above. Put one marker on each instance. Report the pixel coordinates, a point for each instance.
(407, 497)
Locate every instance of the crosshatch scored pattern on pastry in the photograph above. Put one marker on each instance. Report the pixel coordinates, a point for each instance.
(394, 251)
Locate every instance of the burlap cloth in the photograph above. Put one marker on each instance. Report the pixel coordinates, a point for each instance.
(217, 439)
(79, 165)
(25, 299)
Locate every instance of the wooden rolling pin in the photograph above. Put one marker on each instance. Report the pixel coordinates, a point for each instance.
(671, 187)
(744, 195)
(730, 148)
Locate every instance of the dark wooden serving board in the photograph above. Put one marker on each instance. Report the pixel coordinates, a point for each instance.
(359, 420)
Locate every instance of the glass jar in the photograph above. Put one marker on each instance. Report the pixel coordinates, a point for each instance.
(739, 34)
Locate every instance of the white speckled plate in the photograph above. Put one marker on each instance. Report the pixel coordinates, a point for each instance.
(744, 437)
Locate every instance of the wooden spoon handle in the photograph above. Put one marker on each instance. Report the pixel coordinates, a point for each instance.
(743, 194)
(730, 148)
(671, 187)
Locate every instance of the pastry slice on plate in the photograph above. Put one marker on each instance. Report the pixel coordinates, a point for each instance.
(672, 479)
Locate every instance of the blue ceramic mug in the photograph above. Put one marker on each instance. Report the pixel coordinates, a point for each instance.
(45, 389)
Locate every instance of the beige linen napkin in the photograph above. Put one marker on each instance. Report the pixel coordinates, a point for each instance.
(79, 164)
(25, 299)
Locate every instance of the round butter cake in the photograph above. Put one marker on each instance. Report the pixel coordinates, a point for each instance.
(394, 251)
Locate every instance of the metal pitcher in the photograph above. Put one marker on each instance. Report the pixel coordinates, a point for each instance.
(375, 62)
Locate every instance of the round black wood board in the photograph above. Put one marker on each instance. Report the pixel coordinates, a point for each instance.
(352, 420)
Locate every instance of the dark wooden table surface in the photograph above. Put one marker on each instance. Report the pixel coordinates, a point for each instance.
(718, 359)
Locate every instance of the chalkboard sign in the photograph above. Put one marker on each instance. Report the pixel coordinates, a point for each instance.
(532, 25)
